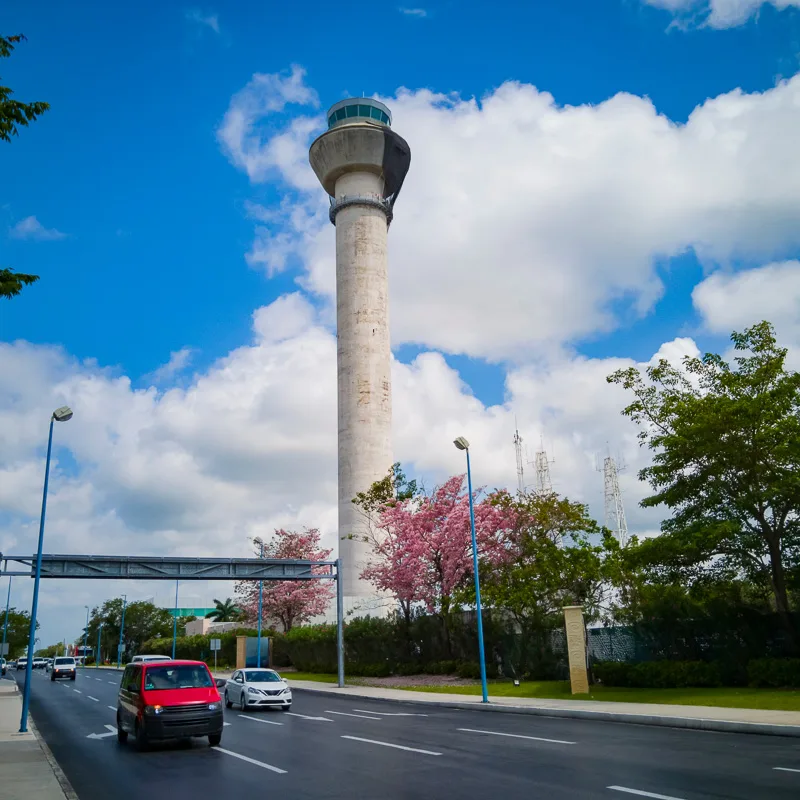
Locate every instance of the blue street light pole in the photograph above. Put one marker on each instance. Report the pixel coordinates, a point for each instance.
(85, 635)
(121, 629)
(5, 624)
(462, 444)
(175, 623)
(260, 606)
(59, 415)
(97, 654)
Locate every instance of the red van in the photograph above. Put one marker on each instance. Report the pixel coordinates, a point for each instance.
(168, 700)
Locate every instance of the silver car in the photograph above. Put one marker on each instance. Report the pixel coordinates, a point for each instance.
(257, 688)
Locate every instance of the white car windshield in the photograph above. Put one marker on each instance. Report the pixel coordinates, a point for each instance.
(63, 662)
(255, 676)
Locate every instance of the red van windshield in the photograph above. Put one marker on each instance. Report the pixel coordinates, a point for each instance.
(183, 676)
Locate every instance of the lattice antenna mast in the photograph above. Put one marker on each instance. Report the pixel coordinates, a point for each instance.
(615, 511)
(544, 482)
(520, 467)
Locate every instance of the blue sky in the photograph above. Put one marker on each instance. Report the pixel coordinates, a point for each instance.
(544, 237)
(127, 165)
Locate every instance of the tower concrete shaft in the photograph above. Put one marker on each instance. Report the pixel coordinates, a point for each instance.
(361, 163)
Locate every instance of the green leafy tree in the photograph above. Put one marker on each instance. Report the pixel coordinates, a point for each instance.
(13, 115)
(726, 462)
(143, 621)
(19, 623)
(50, 652)
(225, 611)
(552, 562)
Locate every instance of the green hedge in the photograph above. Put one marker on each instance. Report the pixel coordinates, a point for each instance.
(779, 673)
(198, 648)
(658, 674)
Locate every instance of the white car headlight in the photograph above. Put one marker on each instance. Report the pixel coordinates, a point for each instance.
(251, 690)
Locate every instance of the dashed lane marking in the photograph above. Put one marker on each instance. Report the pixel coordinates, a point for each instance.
(786, 769)
(256, 719)
(250, 760)
(390, 744)
(514, 736)
(113, 708)
(345, 714)
(77, 691)
(305, 716)
(93, 698)
(642, 794)
(385, 714)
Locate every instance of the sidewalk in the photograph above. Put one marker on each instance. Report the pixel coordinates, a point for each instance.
(27, 768)
(731, 720)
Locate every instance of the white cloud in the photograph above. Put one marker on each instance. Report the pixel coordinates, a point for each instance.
(734, 301)
(178, 361)
(720, 13)
(538, 222)
(420, 13)
(199, 18)
(31, 228)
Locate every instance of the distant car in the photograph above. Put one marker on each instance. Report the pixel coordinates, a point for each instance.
(22, 663)
(175, 700)
(2, 666)
(257, 688)
(63, 667)
(39, 663)
(149, 659)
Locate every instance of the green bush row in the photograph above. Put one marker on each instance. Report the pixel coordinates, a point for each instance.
(775, 672)
(658, 674)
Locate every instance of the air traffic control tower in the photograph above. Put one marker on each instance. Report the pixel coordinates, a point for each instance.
(361, 163)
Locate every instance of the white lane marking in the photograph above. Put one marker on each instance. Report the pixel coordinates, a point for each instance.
(111, 731)
(226, 724)
(113, 683)
(113, 708)
(256, 719)
(389, 744)
(643, 794)
(305, 716)
(99, 679)
(786, 769)
(77, 691)
(515, 736)
(93, 698)
(384, 714)
(251, 760)
(345, 714)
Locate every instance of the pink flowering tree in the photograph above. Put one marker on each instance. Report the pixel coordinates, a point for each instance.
(290, 602)
(422, 547)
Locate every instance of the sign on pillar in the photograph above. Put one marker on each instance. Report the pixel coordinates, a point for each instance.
(576, 649)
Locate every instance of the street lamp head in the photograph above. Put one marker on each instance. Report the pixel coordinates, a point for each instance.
(62, 414)
(461, 443)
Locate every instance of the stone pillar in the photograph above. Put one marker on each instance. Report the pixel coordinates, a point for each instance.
(576, 649)
(241, 652)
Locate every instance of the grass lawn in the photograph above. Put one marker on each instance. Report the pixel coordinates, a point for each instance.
(772, 699)
(309, 676)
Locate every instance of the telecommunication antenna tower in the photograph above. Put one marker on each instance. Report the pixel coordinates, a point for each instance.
(520, 467)
(541, 463)
(615, 511)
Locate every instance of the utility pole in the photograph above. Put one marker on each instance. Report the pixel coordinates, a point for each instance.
(544, 483)
(520, 467)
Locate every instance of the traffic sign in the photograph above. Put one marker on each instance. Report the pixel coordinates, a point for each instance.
(216, 644)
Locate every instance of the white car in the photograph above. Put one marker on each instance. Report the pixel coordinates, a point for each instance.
(257, 688)
(149, 659)
(63, 667)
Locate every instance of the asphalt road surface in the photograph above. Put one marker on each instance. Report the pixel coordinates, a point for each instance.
(331, 747)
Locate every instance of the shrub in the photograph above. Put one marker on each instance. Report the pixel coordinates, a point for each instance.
(658, 674)
(776, 672)
(472, 670)
(441, 668)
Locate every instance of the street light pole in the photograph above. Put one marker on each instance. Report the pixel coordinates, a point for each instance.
(97, 654)
(121, 629)
(260, 606)
(5, 624)
(462, 444)
(62, 414)
(85, 636)
(175, 623)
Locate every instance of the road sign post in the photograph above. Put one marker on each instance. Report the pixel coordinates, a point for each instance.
(216, 646)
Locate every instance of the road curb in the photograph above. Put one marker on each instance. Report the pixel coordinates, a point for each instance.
(687, 723)
(63, 780)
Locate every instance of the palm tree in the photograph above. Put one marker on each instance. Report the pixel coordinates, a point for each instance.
(225, 611)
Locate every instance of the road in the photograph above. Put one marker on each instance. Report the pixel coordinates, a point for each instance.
(330, 747)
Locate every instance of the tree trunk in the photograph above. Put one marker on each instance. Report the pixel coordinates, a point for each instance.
(779, 590)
